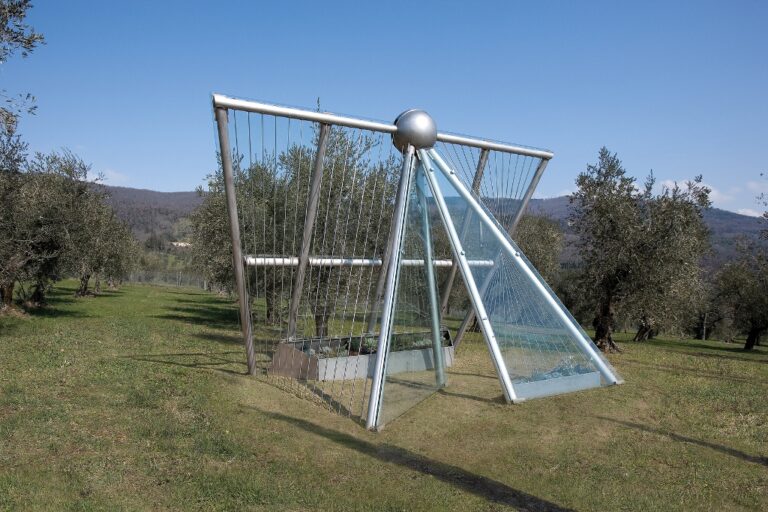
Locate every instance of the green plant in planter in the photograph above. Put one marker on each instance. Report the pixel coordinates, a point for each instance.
(369, 344)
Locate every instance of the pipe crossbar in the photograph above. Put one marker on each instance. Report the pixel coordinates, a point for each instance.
(293, 261)
(222, 101)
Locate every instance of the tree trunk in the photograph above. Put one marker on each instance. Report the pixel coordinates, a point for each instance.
(6, 290)
(83, 289)
(38, 295)
(753, 338)
(271, 309)
(321, 323)
(603, 324)
(645, 330)
(97, 285)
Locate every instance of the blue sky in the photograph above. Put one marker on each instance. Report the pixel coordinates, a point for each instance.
(677, 87)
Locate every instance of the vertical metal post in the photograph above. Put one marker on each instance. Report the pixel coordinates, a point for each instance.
(397, 231)
(469, 280)
(234, 228)
(429, 267)
(557, 308)
(309, 224)
(487, 281)
(464, 227)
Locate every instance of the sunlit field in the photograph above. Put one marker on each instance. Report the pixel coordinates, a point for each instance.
(138, 399)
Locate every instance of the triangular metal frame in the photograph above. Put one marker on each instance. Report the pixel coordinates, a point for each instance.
(430, 164)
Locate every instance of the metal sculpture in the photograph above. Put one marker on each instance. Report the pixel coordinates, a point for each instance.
(360, 247)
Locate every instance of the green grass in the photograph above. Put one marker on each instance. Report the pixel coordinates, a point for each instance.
(137, 400)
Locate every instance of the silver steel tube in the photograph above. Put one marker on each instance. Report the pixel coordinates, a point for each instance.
(478, 178)
(434, 306)
(295, 113)
(518, 216)
(390, 289)
(471, 313)
(234, 229)
(469, 281)
(309, 224)
(493, 146)
(293, 261)
(221, 101)
(516, 257)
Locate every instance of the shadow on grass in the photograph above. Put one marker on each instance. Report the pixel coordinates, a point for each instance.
(224, 318)
(676, 370)
(453, 372)
(478, 485)
(684, 439)
(207, 300)
(754, 356)
(422, 386)
(227, 339)
(58, 299)
(748, 357)
(201, 360)
(51, 311)
(334, 404)
(498, 400)
(735, 348)
(57, 305)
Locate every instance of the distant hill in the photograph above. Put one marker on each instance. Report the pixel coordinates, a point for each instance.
(146, 211)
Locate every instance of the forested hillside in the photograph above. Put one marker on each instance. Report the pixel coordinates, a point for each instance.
(148, 211)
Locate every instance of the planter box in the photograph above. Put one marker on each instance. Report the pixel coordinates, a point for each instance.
(290, 361)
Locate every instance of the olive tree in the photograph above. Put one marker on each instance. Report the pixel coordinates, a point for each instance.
(742, 285)
(541, 239)
(639, 251)
(272, 195)
(54, 223)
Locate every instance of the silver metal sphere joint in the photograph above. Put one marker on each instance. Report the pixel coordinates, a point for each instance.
(414, 127)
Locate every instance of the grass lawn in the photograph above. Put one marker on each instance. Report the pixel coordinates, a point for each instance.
(137, 399)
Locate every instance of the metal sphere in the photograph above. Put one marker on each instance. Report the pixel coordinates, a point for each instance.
(414, 127)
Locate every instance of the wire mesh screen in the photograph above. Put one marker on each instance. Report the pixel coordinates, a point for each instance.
(274, 160)
(500, 180)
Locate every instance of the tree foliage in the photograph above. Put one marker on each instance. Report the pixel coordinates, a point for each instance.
(15, 36)
(639, 252)
(541, 239)
(742, 286)
(272, 195)
(54, 222)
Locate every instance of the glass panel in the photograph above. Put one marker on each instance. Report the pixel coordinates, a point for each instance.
(541, 353)
(411, 372)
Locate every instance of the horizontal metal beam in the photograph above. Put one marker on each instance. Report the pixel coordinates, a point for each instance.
(494, 146)
(293, 261)
(297, 113)
(221, 101)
